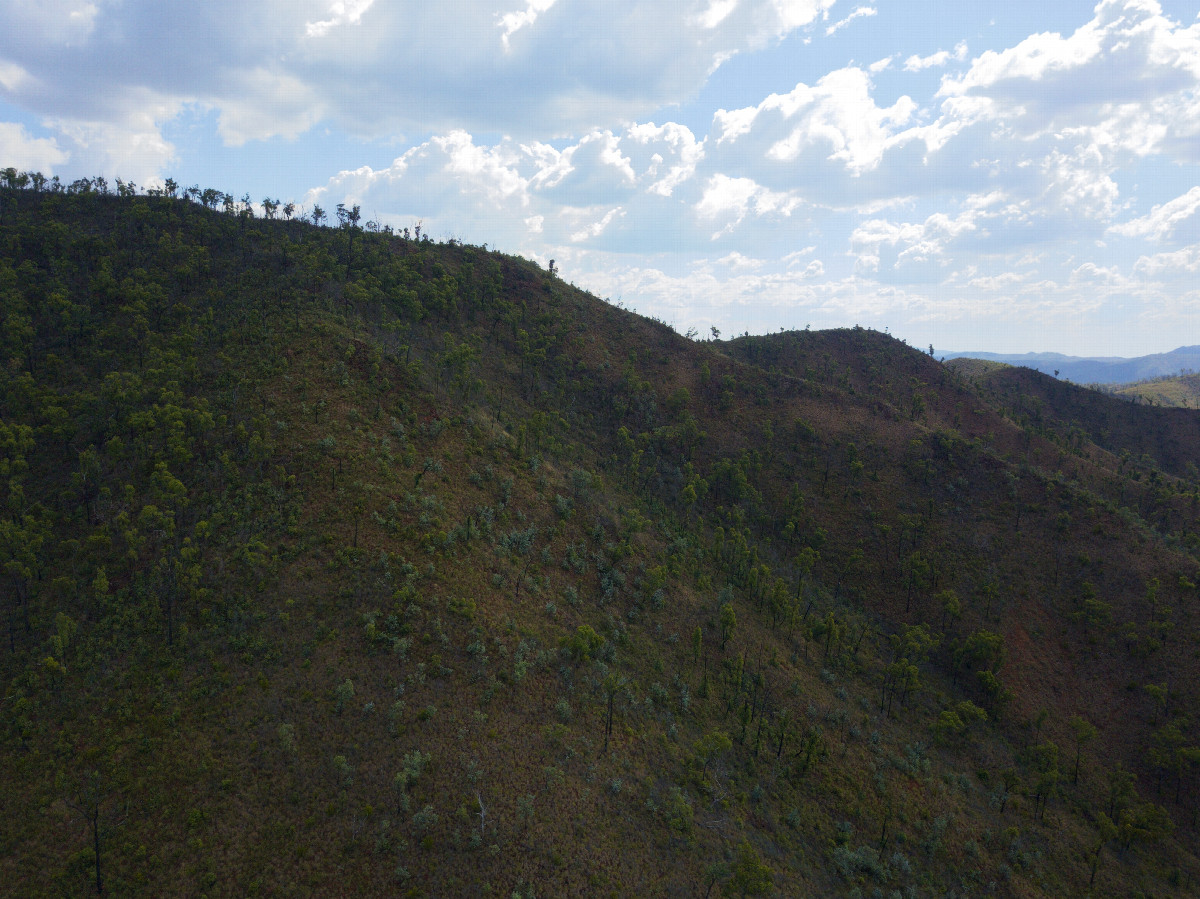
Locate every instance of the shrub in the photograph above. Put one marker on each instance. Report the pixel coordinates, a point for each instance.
(424, 820)
(342, 695)
(678, 812)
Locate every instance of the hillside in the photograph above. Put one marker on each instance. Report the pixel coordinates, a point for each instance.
(1181, 391)
(339, 562)
(1143, 436)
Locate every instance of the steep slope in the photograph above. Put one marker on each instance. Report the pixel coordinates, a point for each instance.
(339, 562)
(1167, 438)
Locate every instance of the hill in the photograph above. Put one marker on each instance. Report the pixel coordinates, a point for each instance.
(1101, 369)
(1182, 391)
(337, 561)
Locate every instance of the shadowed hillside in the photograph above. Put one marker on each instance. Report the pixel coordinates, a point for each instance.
(340, 562)
(1168, 438)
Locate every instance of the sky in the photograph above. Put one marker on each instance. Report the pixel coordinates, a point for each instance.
(1011, 177)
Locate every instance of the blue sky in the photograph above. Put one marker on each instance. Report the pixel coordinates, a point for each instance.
(1008, 177)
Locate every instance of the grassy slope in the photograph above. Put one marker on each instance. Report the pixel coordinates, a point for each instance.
(1181, 391)
(414, 481)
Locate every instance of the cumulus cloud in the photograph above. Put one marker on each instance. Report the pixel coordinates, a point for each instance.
(341, 12)
(278, 67)
(595, 229)
(1185, 261)
(732, 199)
(917, 63)
(512, 22)
(12, 76)
(270, 104)
(738, 261)
(1162, 220)
(616, 187)
(130, 145)
(1129, 62)
(837, 116)
(23, 151)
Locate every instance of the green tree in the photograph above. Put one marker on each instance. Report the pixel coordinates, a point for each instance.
(709, 747)
(751, 875)
(1084, 732)
(728, 623)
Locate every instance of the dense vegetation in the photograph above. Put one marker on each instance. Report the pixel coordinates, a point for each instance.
(341, 561)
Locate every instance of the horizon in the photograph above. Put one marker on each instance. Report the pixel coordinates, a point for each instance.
(950, 175)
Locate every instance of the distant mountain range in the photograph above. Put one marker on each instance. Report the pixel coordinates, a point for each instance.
(1098, 369)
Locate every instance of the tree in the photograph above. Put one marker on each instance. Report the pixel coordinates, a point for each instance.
(1084, 732)
(751, 874)
(583, 644)
(1105, 831)
(711, 745)
(1159, 694)
(1045, 767)
(348, 220)
(951, 607)
(981, 651)
(97, 802)
(728, 623)
(714, 874)
(611, 686)
(1144, 823)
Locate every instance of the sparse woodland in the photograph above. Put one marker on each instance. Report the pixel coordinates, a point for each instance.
(339, 561)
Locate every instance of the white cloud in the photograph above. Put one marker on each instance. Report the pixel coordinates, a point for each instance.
(859, 13)
(793, 14)
(734, 198)
(23, 151)
(12, 76)
(130, 146)
(341, 12)
(837, 114)
(276, 67)
(1129, 65)
(1098, 275)
(1162, 220)
(718, 11)
(796, 256)
(737, 261)
(683, 151)
(912, 245)
(269, 104)
(512, 22)
(1179, 262)
(917, 63)
(597, 228)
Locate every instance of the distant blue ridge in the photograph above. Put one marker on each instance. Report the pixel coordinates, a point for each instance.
(1097, 369)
